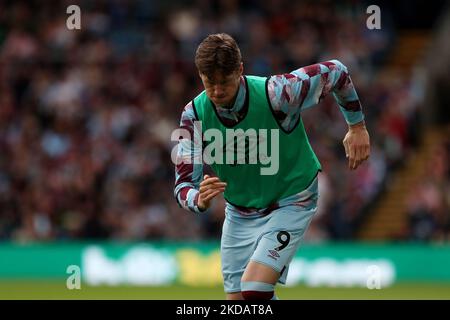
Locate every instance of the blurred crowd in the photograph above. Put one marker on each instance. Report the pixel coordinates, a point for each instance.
(86, 115)
(429, 201)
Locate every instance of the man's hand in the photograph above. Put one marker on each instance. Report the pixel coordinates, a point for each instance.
(209, 188)
(357, 145)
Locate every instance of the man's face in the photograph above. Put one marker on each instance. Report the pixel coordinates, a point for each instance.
(221, 90)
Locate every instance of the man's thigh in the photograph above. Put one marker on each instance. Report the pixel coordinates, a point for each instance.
(272, 240)
(239, 239)
(281, 237)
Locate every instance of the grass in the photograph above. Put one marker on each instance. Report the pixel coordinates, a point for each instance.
(21, 289)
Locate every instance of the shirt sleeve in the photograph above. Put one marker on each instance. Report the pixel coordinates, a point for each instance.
(293, 92)
(189, 165)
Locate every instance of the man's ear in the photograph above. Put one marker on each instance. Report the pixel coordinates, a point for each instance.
(241, 69)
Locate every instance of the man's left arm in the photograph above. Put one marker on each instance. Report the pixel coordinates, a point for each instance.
(305, 87)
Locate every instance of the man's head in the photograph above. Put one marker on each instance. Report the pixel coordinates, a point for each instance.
(219, 63)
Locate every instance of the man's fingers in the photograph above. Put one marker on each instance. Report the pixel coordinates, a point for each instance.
(346, 148)
(209, 188)
(211, 194)
(209, 181)
(212, 186)
(361, 154)
(219, 184)
(352, 160)
(364, 153)
(205, 194)
(353, 163)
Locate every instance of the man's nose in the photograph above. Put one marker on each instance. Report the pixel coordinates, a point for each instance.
(218, 91)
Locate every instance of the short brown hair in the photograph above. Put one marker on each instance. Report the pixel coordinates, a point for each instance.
(218, 52)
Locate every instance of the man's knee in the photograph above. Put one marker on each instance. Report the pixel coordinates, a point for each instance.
(254, 290)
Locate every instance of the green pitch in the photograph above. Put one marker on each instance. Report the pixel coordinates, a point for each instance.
(57, 290)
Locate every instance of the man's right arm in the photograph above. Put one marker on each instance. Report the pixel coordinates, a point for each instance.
(189, 167)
